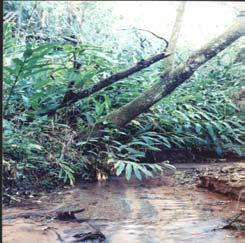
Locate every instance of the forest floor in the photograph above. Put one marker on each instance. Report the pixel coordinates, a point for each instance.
(184, 206)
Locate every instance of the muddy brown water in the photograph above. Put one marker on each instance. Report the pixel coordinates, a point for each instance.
(152, 211)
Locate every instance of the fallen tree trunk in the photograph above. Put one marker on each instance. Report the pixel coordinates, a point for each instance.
(83, 93)
(172, 79)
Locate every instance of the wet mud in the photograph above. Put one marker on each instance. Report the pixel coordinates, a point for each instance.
(153, 211)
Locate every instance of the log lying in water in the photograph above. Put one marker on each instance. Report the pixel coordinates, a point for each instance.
(61, 214)
(229, 180)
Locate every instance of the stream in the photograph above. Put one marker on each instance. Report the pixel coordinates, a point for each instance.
(153, 211)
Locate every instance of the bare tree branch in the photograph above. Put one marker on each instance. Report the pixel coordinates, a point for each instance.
(83, 93)
(157, 36)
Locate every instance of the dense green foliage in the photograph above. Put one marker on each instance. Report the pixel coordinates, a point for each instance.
(41, 150)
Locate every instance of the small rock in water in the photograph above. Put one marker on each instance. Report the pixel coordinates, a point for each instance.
(96, 235)
(84, 232)
(68, 214)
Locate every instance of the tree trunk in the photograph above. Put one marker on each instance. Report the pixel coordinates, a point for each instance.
(169, 63)
(171, 80)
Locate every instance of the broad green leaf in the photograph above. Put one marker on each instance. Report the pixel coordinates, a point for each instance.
(26, 101)
(166, 142)
(211, 131)
(128, 171)
(137, 172)
(27, 53)
(34, 146)
(145, 171)
(10, 70)
(120, 168)
(18, 62)
(171, 167)
(198, 128)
